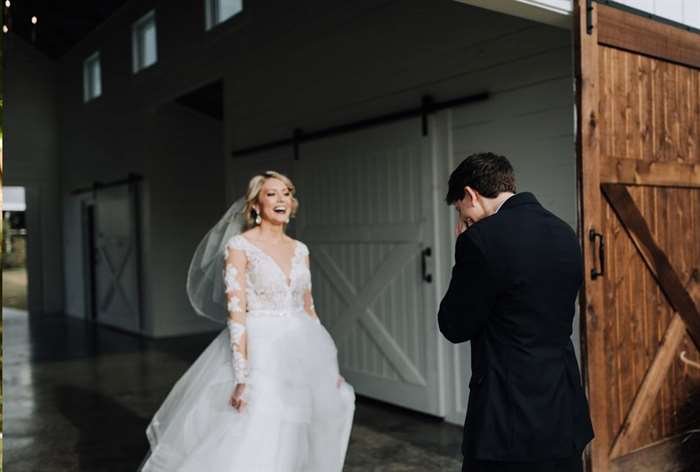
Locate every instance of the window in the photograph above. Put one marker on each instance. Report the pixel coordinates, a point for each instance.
(144, 49)
(92, 78)
(218, 11)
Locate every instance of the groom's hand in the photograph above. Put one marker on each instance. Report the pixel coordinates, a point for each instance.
(462, 227)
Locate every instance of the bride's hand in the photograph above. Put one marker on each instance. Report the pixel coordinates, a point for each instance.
(236, 399)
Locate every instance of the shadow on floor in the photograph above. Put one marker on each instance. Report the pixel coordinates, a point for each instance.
(110, 437)
(53, 338)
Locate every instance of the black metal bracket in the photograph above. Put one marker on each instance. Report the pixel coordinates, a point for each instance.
(427, 252)
(592, 235)
(589, 16)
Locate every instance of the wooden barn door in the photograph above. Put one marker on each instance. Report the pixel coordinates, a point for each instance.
(638, 87)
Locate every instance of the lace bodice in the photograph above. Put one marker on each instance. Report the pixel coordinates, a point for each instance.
(256, 285)
(267, 289)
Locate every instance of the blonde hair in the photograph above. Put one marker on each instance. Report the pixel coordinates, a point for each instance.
(255, 186)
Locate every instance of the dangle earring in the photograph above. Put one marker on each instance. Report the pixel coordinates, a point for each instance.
(258, 220)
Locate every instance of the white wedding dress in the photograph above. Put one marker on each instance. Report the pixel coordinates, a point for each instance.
(298, 415)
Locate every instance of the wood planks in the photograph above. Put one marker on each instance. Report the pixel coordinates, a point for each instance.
(651, 385)
(650, 109)
(655, 259)
(638, 314)
(671, 454)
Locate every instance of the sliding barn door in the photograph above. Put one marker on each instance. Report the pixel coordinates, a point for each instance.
(367, 215)
(117, 257)
(639, 153)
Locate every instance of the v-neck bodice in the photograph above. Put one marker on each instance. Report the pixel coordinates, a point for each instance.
(287, 277)
(268, 288)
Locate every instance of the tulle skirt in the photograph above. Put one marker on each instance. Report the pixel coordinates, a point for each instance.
(297, 418)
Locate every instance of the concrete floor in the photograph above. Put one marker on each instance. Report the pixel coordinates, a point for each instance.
(78, 397)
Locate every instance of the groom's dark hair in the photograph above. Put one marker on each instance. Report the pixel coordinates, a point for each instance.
(486, 172)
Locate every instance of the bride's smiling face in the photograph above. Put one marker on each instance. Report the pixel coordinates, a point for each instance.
(275, 202)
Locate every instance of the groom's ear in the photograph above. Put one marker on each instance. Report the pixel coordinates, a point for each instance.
(472, 194)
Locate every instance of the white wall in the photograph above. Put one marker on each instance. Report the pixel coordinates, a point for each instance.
(310, 65)
(187, 194)
(31, 160)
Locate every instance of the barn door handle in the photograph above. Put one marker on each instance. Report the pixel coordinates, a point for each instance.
(424, 264)
(592, 235)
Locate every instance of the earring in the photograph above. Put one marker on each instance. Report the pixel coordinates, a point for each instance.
(258, 220)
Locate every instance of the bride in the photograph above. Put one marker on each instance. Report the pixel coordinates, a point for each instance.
(266, 395)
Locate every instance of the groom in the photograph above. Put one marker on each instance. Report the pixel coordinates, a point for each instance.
(517, 272)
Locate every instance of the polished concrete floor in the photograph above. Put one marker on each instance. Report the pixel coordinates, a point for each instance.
(78, 397)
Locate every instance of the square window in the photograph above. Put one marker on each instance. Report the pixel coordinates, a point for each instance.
(218, 11)
(144, 47)
(92, 78)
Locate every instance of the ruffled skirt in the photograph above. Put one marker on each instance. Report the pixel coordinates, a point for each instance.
(297, 418)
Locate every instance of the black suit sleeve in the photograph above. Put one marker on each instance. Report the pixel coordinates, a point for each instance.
(467, 304)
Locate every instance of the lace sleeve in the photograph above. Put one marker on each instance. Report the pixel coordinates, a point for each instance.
(308, 297)
(234, 280)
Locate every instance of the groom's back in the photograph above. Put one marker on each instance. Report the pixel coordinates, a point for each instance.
(538, 263)
(526, 381)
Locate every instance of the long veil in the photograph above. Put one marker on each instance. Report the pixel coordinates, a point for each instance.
(205, 277)
(181, 419)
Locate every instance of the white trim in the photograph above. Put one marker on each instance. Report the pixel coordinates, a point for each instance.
(212, 13)
(89, 92)
(137, 61)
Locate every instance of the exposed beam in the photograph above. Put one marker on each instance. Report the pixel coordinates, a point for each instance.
(618, 28)
(655, 173)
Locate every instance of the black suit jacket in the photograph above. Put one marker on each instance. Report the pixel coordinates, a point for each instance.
(512, 294)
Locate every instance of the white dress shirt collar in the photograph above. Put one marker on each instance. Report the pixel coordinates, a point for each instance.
(499, 206)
